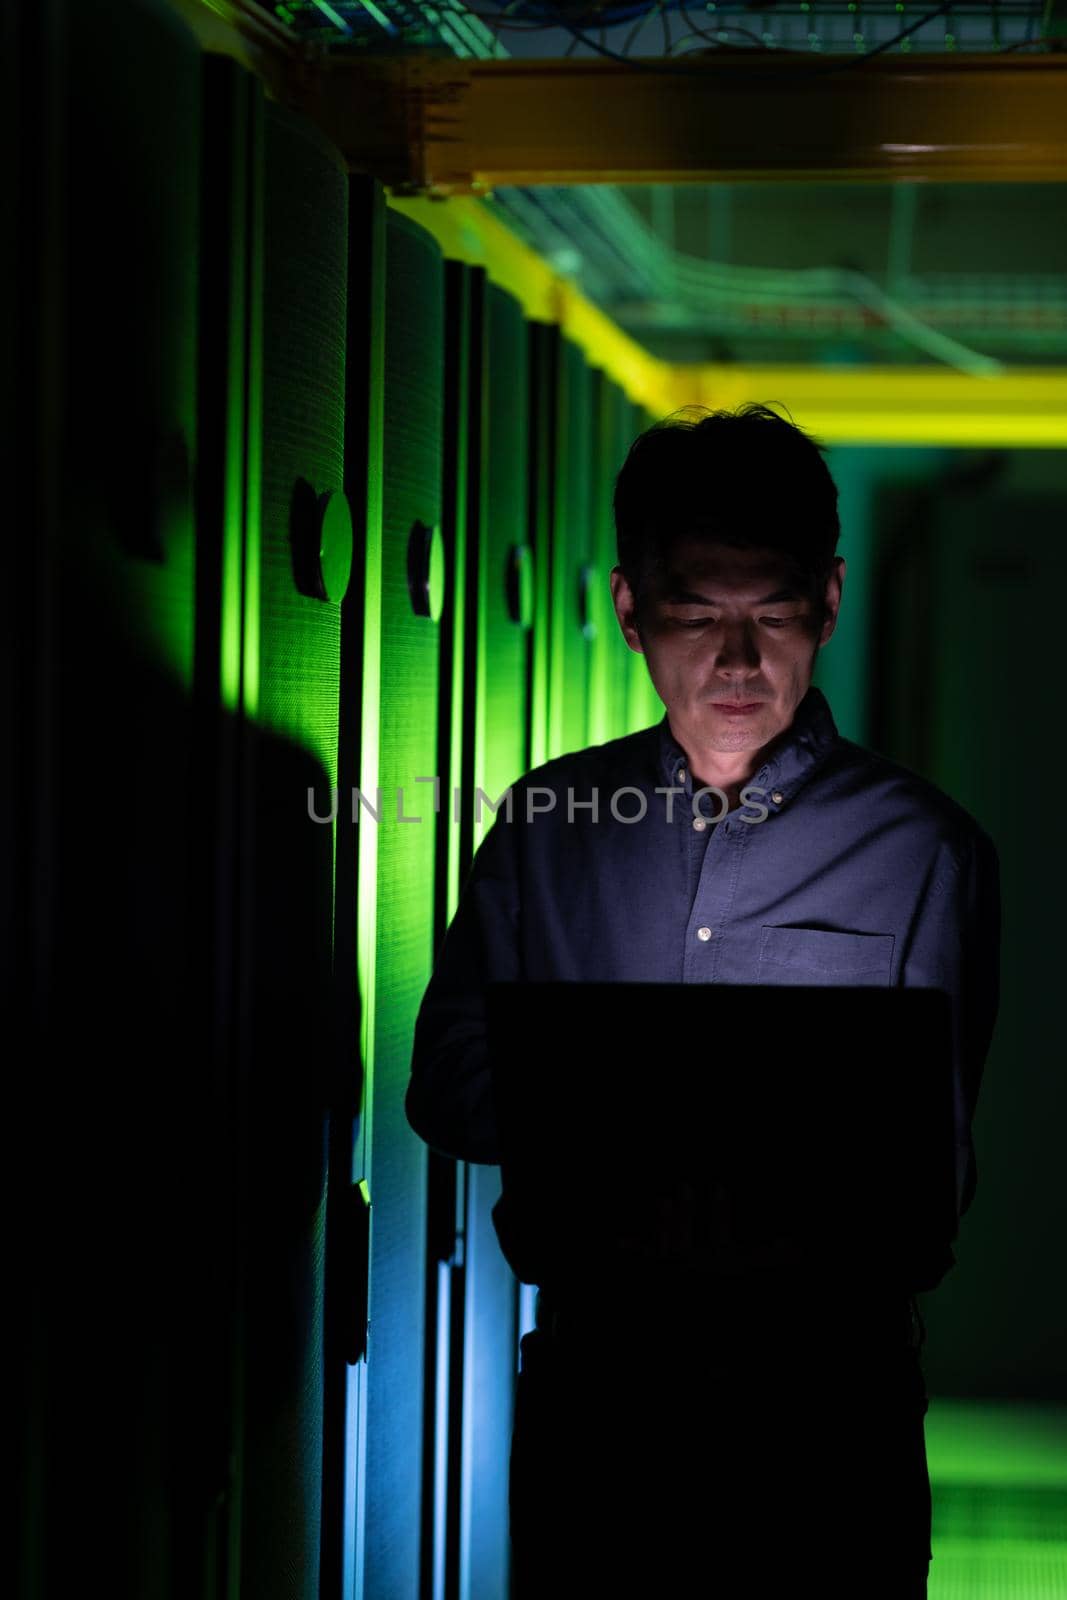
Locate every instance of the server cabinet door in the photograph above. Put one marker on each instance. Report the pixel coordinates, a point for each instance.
(104, 1059)
(228, 538)
(299, 575)
(503, 569)
(404, 582)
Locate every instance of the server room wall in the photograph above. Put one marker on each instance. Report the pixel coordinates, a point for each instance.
(968, 557)
(951, 554)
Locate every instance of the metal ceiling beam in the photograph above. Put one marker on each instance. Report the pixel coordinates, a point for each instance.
(427, 124)
(445, 127)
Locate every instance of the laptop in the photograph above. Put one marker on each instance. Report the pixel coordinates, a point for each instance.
(680, 1132)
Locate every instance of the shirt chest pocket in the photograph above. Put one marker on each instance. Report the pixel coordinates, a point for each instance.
(822, 956)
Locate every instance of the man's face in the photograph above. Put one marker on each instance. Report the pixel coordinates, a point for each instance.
(722, 628)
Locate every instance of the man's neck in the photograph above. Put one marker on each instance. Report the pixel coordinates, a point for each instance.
(729, 770)
(730, 780)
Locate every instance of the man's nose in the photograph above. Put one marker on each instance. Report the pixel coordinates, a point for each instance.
(738, 648)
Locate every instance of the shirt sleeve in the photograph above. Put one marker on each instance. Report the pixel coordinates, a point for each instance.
(957, 948)
(449, 1100)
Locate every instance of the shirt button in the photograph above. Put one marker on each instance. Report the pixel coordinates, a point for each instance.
(681, 774)
(699, 824)
(704, 933)
(777, 797)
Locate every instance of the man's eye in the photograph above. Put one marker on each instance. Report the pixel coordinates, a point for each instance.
(702, 622)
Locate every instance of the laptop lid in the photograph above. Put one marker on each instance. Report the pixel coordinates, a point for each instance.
(739, 1130)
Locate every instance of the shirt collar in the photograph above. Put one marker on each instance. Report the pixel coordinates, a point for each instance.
(807, 742)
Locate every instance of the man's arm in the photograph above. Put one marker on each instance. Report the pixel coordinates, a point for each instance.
(449, 1096)
(957, 948)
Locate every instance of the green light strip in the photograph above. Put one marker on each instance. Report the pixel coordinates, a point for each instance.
(379, 16)
(332, 16)
(370, 751)
(560, 615)
(250, 648)
(354, 1577)
(463, 379)
(541, 423)
(234, 533)
(481, 656)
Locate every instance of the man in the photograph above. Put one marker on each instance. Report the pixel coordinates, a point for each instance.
(837, 867)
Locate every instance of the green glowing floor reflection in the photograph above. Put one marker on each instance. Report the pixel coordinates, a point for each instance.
(999, 1477)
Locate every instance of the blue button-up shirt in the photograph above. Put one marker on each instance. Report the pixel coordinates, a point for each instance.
(837, 867)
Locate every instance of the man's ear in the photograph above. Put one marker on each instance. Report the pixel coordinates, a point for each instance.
(832, 599)
(625, 603)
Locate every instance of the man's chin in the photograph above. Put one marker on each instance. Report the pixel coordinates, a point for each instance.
(733, 732)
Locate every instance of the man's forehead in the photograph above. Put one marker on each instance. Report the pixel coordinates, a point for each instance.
(690, 562)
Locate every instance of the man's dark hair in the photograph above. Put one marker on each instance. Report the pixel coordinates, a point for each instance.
(743, 478)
